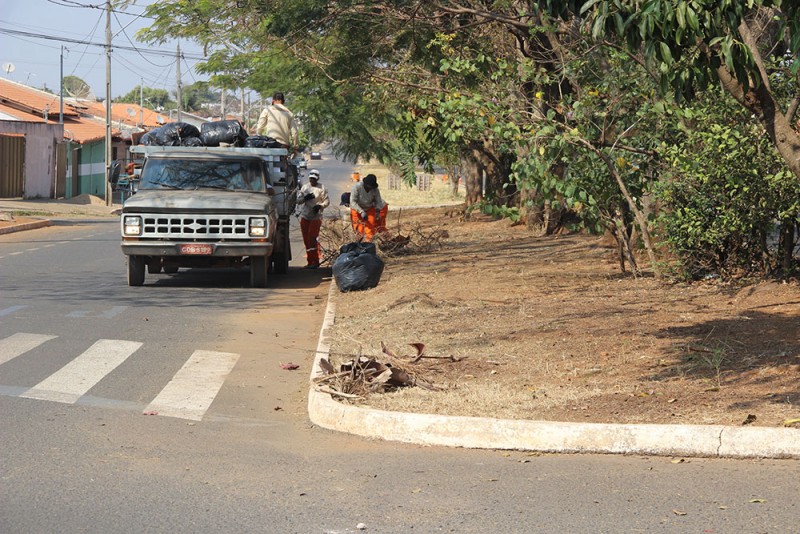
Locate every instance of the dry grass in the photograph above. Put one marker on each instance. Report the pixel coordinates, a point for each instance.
(439, 193)
(547, 328)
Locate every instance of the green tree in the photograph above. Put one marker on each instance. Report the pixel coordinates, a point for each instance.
(153, 98)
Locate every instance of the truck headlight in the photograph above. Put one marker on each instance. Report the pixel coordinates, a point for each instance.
(132, 225)
(258, 227)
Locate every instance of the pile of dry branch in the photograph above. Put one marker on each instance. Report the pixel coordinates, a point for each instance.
(395, 242)
(359, 377)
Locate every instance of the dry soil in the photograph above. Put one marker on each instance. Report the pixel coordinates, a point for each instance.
(548, 328)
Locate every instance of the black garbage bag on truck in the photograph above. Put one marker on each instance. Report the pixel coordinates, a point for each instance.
(228, 132)
(357, 267)
(171, 134)
(260, 141)
(148, 139)
(192, 141)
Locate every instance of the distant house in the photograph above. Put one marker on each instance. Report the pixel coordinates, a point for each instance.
(41, 158)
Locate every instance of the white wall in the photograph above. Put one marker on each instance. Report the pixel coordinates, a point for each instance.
(40, 155)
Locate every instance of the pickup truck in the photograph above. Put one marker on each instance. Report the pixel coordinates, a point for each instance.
(209, 207)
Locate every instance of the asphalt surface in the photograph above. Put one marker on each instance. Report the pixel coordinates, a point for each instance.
(489, 433)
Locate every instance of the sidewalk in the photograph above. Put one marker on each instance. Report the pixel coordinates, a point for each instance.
(544, 436)
(39, 213)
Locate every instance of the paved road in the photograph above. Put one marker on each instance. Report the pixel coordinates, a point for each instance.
(228, 447)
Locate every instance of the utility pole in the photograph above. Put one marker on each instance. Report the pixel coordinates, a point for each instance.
(241, 104)
(180, 88)
(222, 105)
(108, 103)
(61, 92)
(141, 102)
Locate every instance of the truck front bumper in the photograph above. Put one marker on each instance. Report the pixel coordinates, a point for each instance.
(173, 248)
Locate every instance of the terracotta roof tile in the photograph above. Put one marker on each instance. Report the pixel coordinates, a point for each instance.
(119, 113)
(33, 100)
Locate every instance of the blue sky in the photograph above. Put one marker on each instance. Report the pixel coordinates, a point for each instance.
(36, 59)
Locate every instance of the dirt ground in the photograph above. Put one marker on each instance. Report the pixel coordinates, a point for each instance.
(547, 328)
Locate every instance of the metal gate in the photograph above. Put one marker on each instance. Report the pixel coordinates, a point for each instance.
(12, 165)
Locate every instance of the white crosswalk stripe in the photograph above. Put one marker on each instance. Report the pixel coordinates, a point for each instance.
(194, 387)
(73, 380)
(188, 395)
(20, 343)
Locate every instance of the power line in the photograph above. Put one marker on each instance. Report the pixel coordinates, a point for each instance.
(132, 44)
(153, 51)
(70, 3)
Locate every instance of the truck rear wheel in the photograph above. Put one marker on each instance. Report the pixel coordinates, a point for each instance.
(282, 253)
(259, 271)
(136, 267)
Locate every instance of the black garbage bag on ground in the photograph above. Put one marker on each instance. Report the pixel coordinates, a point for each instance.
(357, 267)
(260, 141)
(229, 132)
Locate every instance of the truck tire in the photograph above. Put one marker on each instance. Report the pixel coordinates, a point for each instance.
(282, 252)
(259, 271)
(136, 267)
(154, 266)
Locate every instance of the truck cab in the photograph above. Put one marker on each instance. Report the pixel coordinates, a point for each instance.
(209, 207)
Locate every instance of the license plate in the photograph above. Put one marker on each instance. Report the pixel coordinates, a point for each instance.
(196, 249)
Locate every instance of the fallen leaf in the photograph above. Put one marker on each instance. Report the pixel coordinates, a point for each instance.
(277, 408)
(289, 366)
(387, 351)
(678, 460)
(679, 512)
(672, 400)
(749, 419)
(790, 422)
(420, 348)
(758, 500)
(150, 413)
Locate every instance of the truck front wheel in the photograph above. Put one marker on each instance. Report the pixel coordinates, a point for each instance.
(259, 271)
(136, 267)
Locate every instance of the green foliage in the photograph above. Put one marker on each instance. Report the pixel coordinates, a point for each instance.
(725, 189)
(157, 99)
(498, 211)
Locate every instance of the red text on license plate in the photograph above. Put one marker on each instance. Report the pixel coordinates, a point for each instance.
(196, 249)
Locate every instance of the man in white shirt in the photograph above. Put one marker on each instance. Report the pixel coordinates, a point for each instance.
(277, 122)
(367, 208)
(313, 199)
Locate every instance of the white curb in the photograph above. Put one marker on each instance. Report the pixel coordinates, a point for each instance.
(544, 436)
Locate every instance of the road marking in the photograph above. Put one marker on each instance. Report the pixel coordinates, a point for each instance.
(193, 388)
(16, 253)
(110, 314)
(20, 343)
(11, 309)
(72, 381)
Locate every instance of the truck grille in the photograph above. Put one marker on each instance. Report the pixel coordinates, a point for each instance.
(193, 226)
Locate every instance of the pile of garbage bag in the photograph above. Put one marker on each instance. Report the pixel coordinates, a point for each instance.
(215, 133)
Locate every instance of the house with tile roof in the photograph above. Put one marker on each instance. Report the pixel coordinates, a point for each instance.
(75, 162)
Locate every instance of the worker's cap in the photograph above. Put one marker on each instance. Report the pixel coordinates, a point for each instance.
(313, 174)
(371, 180)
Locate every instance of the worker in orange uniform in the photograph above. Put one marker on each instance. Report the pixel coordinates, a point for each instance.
(367, 208)
(313, 199)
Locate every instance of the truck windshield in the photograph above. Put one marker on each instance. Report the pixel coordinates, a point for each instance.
(174, 173)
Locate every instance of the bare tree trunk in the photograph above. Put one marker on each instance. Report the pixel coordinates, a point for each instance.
(472, 181)
(761, 103)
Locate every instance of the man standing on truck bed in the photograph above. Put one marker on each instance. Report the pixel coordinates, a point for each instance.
(313, 198)
(277, 122)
